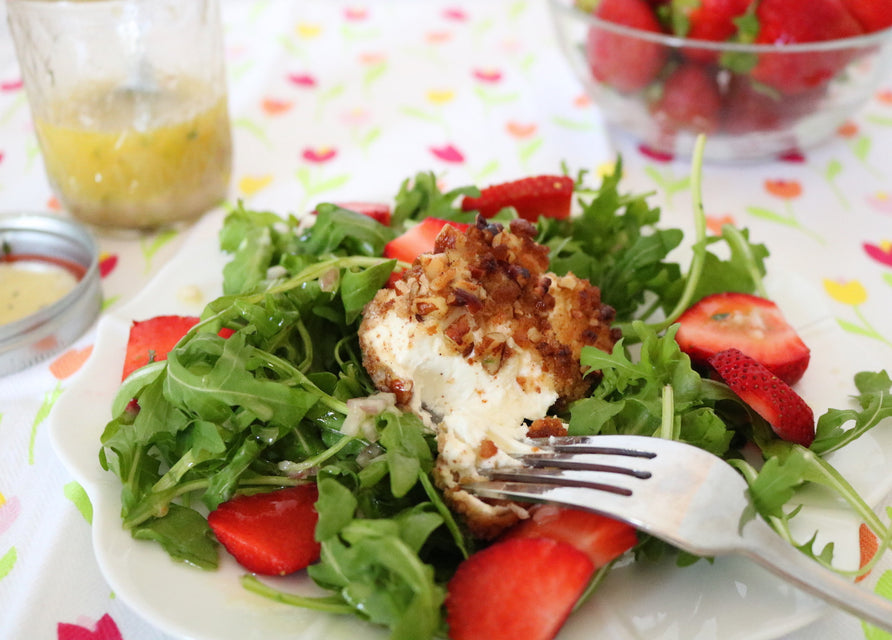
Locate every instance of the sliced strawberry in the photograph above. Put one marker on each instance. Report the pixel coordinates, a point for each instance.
(518, 588)
(548, 196)
(624, 62)
(796, 21)
(769, 396)
(151, 340)
(690, 100)
(872, 15)
(270, 533)
(749, 323)
(418, 239)
(603, 539)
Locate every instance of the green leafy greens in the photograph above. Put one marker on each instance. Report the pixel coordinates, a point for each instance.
(264, 407)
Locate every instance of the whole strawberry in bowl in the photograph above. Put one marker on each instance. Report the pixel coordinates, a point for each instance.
(761, 78)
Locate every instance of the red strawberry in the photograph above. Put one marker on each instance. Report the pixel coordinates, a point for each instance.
(151, 340)
(872, 15)
(603, 539)
(548, 196)
(689, 101)
(750, 107)
(749, 323)
(769, 396)
(710, 20)
(797, 21)
(418, 239)
(518, 588)
(623, 62)
(270, 533)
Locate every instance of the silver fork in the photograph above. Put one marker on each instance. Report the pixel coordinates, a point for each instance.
(676, 492)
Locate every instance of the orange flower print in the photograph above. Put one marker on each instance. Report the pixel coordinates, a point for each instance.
(848, 129)
(521, 130)
(274, 106)
(372, 58)
(715, 223)
(582, 101)
(786, 189)
(885, 96)
(70, 362)
(438, 37)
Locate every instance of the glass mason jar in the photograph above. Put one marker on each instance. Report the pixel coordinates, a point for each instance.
(129, 105)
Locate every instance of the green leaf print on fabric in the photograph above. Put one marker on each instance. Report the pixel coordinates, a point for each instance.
(49, 399)
(254, 129)
(668, 182)
(79, 498)
(788, 220)
(831, 173)
(7, 561)
(152, 244)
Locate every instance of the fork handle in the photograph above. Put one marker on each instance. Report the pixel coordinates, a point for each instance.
(768, 549)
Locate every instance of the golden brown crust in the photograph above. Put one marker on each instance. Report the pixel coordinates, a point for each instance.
(487, 291)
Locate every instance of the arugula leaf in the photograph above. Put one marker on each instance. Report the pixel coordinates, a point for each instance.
(615, 244)
(421, 197)
(629, 398)
(361, 555)
(184, 534)
(875, 400)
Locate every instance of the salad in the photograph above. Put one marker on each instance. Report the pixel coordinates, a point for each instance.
(252, 398)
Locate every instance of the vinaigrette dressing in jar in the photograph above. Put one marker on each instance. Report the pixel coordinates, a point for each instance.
(137, 158)
(129, 103)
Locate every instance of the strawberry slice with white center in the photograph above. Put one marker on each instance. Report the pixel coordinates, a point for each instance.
(545, 195)
(749, 323)
(517, 588)
(788, 414)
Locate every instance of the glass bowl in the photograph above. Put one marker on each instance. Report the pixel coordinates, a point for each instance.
(753, 101)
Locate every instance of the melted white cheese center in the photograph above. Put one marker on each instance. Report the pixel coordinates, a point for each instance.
(463, 402)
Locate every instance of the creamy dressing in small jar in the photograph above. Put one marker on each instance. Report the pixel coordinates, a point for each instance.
(28, 284)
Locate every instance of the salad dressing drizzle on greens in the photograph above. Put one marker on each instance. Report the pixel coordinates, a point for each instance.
(264, 407)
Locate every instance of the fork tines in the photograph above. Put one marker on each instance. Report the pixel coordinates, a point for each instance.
(568, 462)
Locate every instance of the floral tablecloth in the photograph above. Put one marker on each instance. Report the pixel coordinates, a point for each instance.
(342, 101)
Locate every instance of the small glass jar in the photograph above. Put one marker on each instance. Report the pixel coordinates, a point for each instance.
(129, 105)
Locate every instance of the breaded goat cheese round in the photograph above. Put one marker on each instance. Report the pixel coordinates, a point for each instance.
(482, 342)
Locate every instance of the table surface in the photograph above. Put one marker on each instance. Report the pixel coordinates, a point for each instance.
(332, 101)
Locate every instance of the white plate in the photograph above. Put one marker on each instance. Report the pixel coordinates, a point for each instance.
(727, 599)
